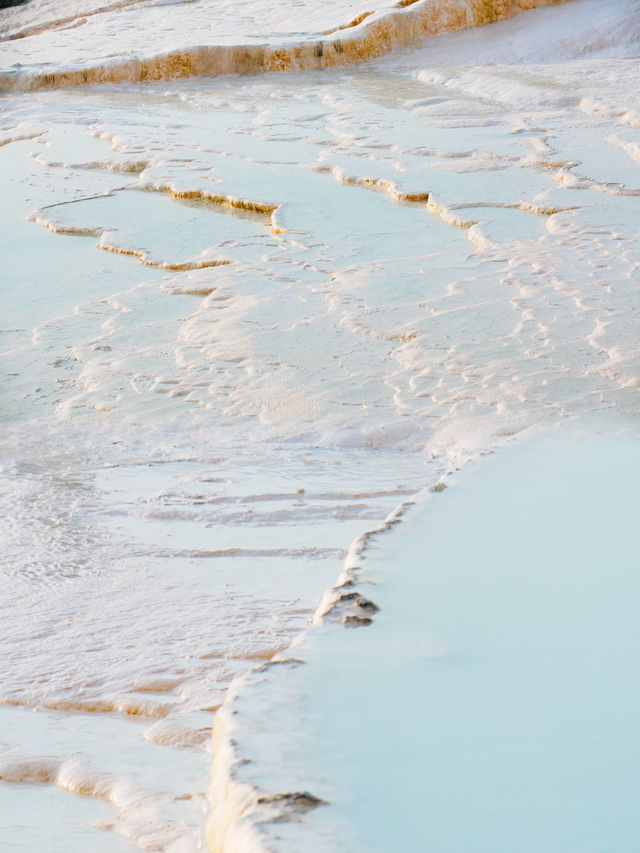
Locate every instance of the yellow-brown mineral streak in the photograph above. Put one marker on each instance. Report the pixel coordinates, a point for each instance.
(371, 36)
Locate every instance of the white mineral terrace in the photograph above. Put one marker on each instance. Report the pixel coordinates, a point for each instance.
(244, 317)
(134, 40)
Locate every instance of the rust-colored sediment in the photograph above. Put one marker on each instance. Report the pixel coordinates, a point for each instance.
(355, 23)
(218, 199)
(352, 44)
(146, 261)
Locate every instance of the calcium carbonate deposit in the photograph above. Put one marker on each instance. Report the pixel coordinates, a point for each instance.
(244, 317)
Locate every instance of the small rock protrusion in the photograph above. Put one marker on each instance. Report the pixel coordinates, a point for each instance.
(299, 801)
(356, 621)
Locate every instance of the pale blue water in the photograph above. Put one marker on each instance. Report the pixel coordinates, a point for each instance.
(491, 704)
